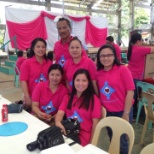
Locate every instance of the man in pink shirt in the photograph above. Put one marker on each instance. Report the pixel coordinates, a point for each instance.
(61, 53)
(110, 40)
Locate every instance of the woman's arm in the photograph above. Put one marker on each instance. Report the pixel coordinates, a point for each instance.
(152, 50)
(95, 121)
(128, 104)
(58, 118)
(27, 98)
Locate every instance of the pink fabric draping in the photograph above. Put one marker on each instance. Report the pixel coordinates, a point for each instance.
(26, 32)
(95, 36)
(78, 18)
(45, 14)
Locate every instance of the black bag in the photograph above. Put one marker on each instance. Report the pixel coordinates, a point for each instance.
(72, 128)
(14, 108)
(47, 138)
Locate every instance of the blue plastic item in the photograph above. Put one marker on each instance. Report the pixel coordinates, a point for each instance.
(12, 128)
(146, 87)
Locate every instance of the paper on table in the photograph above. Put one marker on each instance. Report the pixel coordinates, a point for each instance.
(91, 149)
(59, 149)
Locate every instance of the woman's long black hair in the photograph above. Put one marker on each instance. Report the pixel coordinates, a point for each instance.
(116, 61)
(33, 43)
(87, 96)
(134, 38)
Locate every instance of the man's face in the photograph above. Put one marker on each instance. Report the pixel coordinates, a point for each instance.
(64, 30)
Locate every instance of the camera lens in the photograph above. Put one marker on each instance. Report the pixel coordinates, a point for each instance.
(32, 146)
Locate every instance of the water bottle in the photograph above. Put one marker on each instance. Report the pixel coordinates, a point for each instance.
(4, 113)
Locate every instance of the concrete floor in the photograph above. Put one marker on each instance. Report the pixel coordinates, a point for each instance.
(8, 91)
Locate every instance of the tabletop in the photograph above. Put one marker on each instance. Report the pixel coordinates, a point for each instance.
(16, 144)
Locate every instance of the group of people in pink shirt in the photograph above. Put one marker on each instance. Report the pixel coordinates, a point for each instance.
(75, 87)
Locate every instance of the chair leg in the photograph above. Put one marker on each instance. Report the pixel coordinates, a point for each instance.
(139, 111)
(149, 125)
(144, 130)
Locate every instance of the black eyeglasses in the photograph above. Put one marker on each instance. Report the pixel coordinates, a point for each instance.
(107, 55)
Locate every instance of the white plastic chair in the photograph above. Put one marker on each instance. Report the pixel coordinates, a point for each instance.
(149, 98)
(119, 127)
(149, 149)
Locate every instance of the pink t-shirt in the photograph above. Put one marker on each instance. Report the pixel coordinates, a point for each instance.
(19, 62)
(84, 116)
(33, 72)
(48, 102)
(118, 51)
(113, 86)
(61, 52)
(137, 61)
(70, 68)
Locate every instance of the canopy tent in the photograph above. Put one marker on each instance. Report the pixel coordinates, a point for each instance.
(29, 24)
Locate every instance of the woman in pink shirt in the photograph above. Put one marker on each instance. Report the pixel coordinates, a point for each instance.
(47, 96)
(34, 69)
(82, 104)
(116, 88)
(136, 56)
(78, 61)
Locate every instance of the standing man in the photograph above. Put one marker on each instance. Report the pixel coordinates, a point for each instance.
(110, 40)
(61, 53)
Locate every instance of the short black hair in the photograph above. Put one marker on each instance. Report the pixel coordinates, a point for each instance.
(64, 19)
(110, 38)
(55, 67)
(20, 53)
(50, 55)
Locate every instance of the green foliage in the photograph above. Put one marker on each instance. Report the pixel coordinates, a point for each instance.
(141, 17)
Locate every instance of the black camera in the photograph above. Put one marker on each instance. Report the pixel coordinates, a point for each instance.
(47, 138)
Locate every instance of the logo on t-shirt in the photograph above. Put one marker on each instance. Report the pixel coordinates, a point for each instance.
(71, 83)
(76, 116)
(107, 90)
(41, 78)
(62, 60)
(49, 108)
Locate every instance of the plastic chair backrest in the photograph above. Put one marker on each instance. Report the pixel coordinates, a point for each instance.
(119, 126)
(149, 149)
(148, 108)
(146, 87)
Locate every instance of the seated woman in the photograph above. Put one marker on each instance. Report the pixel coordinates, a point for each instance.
(48, 95)
(82, 104)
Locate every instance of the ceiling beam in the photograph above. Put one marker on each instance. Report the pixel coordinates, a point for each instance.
(54, 5)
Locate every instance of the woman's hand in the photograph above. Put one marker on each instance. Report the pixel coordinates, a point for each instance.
(42, 116)
(59, 124)
(125, 116)
(27, 100)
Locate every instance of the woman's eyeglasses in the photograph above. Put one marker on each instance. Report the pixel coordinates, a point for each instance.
(107, 55)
